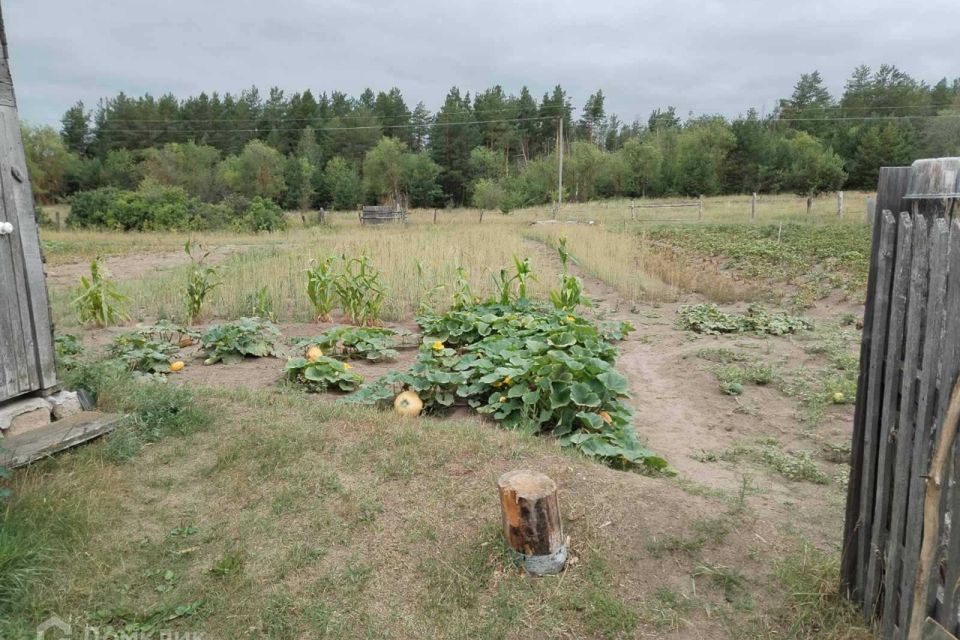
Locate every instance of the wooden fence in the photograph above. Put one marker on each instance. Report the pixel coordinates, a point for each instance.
(381, 214)
(910, 357)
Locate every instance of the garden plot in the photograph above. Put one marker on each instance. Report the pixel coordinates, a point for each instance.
(258, 516)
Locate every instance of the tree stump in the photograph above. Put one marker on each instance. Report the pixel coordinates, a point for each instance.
(531, 520)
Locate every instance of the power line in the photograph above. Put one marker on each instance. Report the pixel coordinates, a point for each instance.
(356, 128)
(546, 108)
(257, 130)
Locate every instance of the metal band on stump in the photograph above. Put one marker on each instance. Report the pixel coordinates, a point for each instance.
(531, 520)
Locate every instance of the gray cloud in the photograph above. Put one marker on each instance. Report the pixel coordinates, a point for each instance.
(704, 57)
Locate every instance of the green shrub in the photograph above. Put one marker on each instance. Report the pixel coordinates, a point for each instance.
(261, 215)
(152, 207)
(89, 208)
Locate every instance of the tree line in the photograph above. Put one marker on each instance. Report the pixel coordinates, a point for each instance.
(493, 149)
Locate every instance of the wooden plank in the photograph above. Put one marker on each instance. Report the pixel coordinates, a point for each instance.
(886, 418)
(949, 367)
(20, 211)
(885, 261)
(24, 364)
(933, 631)
(69, 432)
(929, 367)
(916, 308)
(947, 613)
(890, 189)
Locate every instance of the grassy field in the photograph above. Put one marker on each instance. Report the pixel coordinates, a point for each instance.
(242, 508)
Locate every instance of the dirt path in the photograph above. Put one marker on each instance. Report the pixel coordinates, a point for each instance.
(682, 414)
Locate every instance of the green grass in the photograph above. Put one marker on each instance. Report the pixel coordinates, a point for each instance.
(817, 259)
(799, 466)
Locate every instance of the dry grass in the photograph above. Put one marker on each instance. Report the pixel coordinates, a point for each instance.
(279, 269)
(294, 517)
(640, 270)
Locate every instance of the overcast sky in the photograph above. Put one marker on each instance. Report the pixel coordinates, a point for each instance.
(704, 57)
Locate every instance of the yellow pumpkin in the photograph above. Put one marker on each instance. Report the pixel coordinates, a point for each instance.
(605, 417)
(314, 353)
(408, 403)
(177, 366)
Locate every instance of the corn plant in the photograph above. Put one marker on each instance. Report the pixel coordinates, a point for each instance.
(260, 304)
(570, 294)
(201, 279)
(360, 291)
(98, 301)
(425, 297)
(321, 287)
(523, 273)
(463, 297)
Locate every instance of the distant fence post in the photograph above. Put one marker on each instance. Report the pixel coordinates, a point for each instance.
(839, 204)
(633, 210)
(700, 208)
(753, 206)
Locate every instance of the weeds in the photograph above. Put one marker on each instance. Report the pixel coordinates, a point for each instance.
(798, 466)
(709, 320)
(732, 377)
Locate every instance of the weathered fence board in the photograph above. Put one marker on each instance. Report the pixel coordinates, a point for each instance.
(923, 432)
(382, 213)
(890, 189)
(910, 360)
(890, 397)
(874, 395)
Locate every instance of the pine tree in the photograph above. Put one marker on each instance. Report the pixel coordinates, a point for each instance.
(75, 129)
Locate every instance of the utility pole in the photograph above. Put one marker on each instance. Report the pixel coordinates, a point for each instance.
(560, 166)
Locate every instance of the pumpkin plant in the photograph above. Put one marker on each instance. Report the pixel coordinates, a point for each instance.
(375, 344)
(231, 342)
(528, 367)
(322, 373)
(142, 353)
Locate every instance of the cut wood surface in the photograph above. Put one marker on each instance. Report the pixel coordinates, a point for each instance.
(531, 512)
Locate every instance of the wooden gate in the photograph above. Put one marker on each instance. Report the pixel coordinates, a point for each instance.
(909, 362)
(26, 336)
